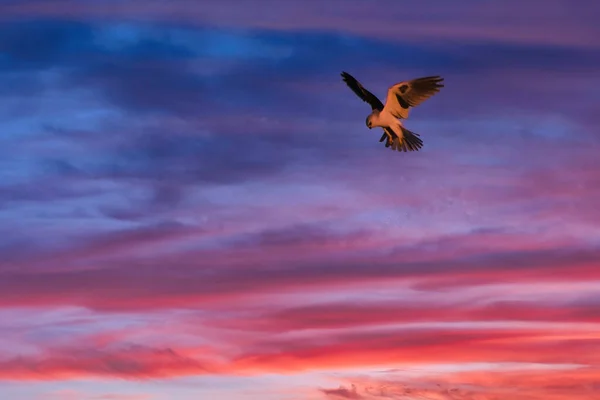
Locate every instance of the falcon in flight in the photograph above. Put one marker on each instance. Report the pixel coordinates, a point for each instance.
(400, 98)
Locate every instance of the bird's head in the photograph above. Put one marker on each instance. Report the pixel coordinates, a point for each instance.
(369, 122)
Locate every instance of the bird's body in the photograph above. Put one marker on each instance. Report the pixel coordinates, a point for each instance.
(400, 98)
(385, 120)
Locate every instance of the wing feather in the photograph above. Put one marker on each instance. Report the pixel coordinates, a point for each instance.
(406, 94)
(361, 92)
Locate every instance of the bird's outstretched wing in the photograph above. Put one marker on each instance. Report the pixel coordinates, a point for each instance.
(361, 92)
(403, 95)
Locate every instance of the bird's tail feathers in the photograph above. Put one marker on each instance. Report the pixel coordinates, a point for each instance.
(411, 140)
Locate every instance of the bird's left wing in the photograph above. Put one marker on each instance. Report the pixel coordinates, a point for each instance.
(403, 95)
(361, 92)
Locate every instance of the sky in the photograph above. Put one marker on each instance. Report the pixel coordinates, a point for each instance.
(191, 205)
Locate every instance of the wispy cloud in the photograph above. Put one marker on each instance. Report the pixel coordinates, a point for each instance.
(522, 384)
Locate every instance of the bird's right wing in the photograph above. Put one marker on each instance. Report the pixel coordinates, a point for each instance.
(361, 92)
(403, 95)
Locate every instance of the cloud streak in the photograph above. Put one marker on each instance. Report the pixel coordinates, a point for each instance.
(488, 21)
(517, 384)
(137, 362)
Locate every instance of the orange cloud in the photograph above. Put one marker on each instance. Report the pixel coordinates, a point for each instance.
(558, 383)
(421, 346)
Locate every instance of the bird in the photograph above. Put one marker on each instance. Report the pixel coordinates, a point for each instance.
(401, 97)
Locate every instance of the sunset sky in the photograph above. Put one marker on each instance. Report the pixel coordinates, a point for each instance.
(192, 208)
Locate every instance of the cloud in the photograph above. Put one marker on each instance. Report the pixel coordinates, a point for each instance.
(43, 44)
(419, 347)
(162, 67)
(343, 393)
(138, 269)
(123, 397)
(557, 383)
(253, 118)
(434, 20)
(199, 350)
(355, 314)
(137, 362)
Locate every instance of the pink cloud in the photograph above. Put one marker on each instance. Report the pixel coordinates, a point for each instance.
(391, 348)
(415, 347)
(69, 394)
(357, 314)
(131, 363)
(558, 383)
(264, 264)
